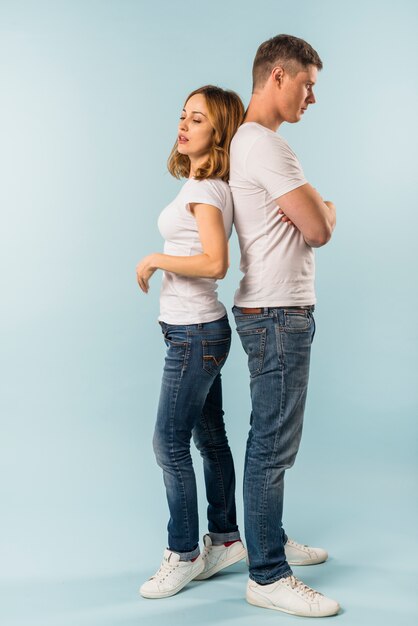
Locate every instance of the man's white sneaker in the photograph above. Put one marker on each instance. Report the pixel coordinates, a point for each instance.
(291, 595)
(216, 558)
(298, 554)
(172, 576)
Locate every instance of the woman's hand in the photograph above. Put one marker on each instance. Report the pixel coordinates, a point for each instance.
(144, 270)
(211, 263)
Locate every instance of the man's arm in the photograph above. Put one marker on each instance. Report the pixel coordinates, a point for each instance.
(314, 217)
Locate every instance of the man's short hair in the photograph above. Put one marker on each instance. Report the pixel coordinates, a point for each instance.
(285, 50)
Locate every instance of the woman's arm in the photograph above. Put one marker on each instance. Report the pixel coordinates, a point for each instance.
(212, 263)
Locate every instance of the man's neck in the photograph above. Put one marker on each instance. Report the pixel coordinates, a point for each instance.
(262, 112)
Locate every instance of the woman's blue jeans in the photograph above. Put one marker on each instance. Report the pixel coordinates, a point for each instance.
(278, 344)
(191, 405)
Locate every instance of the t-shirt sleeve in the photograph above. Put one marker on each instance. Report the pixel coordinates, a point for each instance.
(272, 164)
(204, 192)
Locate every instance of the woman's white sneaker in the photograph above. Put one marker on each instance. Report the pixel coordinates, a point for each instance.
(291, 595)
(172, 576)
(217, 558)
(298, 554)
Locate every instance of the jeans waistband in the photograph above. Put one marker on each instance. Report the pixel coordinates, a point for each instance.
(222, 322)
(267, 310)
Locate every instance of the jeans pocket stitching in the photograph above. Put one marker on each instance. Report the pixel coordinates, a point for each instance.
(212, 362)
(262, 334)
(288, 316)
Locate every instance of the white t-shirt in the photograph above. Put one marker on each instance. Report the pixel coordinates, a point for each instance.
(184, 299)
(278, 266)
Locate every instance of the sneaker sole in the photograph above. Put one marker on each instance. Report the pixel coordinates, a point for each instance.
(300, 563)
(267, 605)
(310, 562)
(171, 592)
(220, 566)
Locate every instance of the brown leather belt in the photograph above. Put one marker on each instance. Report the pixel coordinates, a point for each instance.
(249, 311)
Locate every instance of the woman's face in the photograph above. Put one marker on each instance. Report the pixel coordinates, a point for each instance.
(195, 136)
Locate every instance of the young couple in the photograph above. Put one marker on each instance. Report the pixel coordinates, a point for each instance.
(279, 219)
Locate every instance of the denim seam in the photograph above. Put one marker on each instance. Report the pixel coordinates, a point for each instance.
(265, 489)
(218, 468)
(267, 478)
(186, 346)
(262, 334)
(175, 463)
(186, 354)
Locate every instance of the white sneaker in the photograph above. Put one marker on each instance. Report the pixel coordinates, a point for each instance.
(298, 554)
(291, 595)
(172, 576)
(216, 558)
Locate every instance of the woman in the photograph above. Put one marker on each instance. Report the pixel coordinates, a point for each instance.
(196, 227)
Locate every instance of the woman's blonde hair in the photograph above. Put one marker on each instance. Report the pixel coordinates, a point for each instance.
(226, 113)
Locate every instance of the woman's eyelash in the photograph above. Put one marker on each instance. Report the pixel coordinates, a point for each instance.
(197, 121)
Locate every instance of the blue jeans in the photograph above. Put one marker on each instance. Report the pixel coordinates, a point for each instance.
(191, 405)
(278, 344)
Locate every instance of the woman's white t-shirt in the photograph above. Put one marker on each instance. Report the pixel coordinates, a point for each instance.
(184, 299)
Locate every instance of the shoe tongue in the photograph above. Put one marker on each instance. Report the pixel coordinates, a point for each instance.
(171, 557)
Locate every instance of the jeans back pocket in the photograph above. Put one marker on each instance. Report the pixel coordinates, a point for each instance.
(215, 353)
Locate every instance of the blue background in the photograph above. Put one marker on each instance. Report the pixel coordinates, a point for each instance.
(90, 93)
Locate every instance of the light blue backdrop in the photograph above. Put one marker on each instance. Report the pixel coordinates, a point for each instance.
(90, 93)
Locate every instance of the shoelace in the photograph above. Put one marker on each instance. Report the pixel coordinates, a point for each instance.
(204, 553)
(165, 569)
(300, 587)
(291, 542)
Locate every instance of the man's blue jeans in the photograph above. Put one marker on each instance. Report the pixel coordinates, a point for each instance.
(191, 405)
(278, 344)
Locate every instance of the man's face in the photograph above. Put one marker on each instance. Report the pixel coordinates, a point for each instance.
(296, 93)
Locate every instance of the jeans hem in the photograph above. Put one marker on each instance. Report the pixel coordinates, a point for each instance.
(286, 574)
(220, 538)
(187, 556)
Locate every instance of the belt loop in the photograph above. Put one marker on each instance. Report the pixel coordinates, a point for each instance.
(266, 311)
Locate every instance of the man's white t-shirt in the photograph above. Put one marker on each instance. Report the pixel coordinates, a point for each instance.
(278, 266)
(183, 299)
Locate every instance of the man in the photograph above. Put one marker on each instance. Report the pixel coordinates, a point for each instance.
(279, 218)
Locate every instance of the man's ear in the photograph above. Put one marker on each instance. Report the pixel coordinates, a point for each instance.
(277, 74)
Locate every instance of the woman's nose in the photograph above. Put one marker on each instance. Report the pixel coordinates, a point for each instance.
(183, 124)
